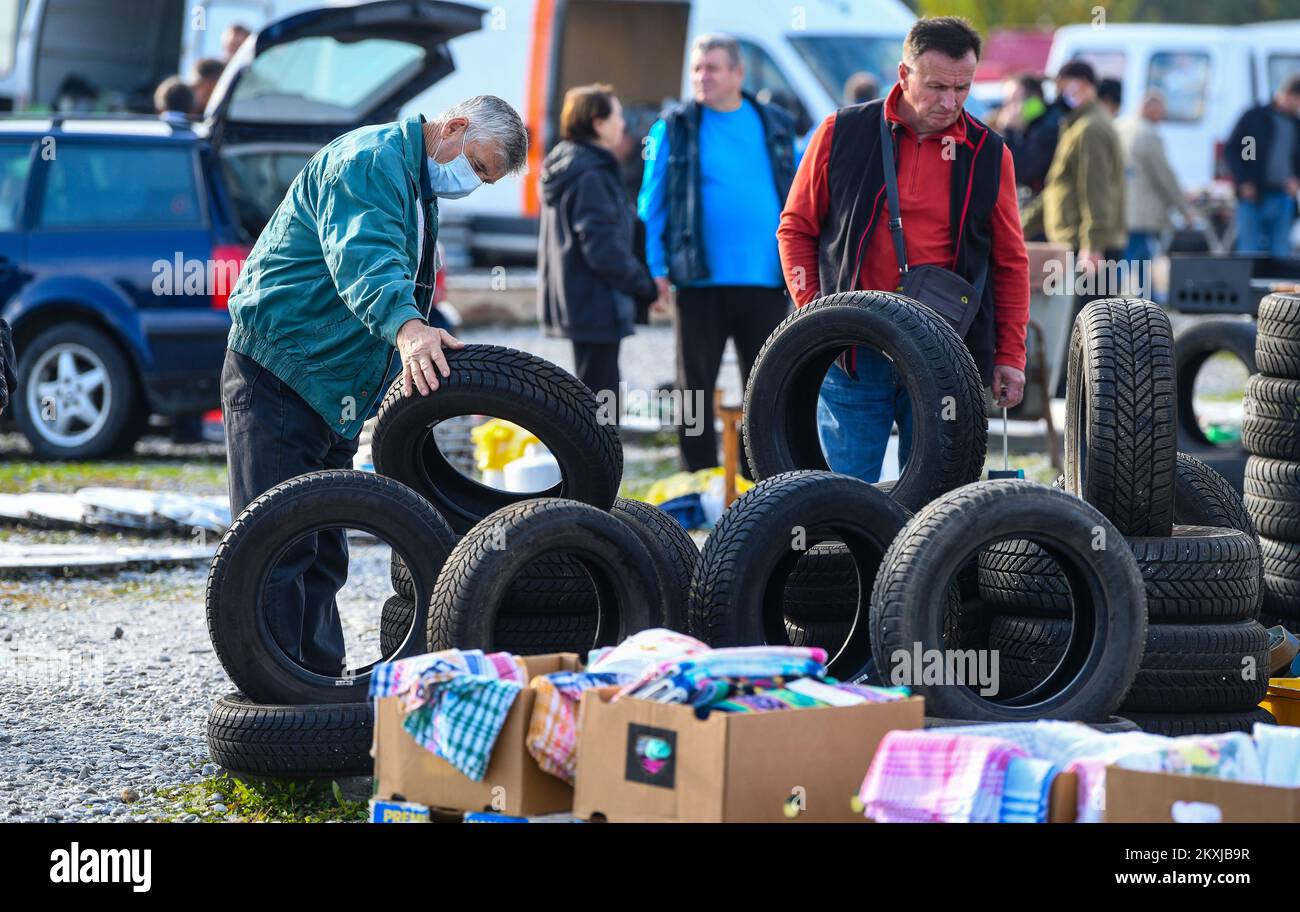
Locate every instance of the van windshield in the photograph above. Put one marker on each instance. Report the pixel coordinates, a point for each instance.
(834, 58)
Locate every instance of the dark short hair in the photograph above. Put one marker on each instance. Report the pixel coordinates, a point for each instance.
(1110, 90)
(951, 35)
(209, 68)
(583, 106)
(1292, 85)
(861, 87)
(1077, 69)
(1032, 83)
(173, 94)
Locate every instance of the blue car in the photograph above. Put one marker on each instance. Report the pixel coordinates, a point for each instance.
(121, 237)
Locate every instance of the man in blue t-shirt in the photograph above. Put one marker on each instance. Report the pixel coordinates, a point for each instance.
(717, 172)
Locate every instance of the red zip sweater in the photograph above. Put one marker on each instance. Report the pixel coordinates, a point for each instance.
(924, 190)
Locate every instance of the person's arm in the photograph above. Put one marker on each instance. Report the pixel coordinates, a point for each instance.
(652, 203)
(1009, 271)
(798, 236)
(1152, 159)
(604, 243)
(363, 242)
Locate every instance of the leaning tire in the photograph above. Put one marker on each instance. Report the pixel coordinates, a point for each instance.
(950, 433)
(1177, 724)
(1191, 350)
(910, 602)
(1281, 579)
(236, 613)
(552, 584)
(673, 552)
(110, 421)
(1277, 348)
(515, 386)
(312, 741)
(1197, 573)
(475, 580)
(1272, 496)
(396, 622)
(1271, 426)
(737, 595)
(1185, 667)
(1120, 432)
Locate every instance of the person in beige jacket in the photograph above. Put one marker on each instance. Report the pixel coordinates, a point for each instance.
(1151, 189)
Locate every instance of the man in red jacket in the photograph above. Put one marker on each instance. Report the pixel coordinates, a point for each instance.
(957, 199)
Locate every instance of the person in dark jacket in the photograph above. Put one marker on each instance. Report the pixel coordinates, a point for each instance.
(1030, 128)
(590, 279)
(1263, 156)
(8, 382)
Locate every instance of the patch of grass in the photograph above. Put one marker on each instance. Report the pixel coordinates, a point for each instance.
(262, 801)
(193, 477)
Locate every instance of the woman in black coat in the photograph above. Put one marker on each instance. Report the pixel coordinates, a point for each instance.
(589, 279)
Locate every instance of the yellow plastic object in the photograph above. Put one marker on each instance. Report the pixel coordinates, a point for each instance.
(498, 442)
(683, 483)
(1283, 700)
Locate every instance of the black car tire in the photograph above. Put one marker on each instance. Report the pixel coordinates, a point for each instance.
(911, 600)
(1277, 350)
(324, 740)
(1272, 496)
(515, 386)
(475, 582)
(823, 586)
(521, 634)
(1271, 426)
(552, 584)
(1178, 724)
(673, 552)
(950, 431)
(828, 635)
(1120, 427)
(738, 593)
(240, 632)
(1191, 350)
(1185, 667)
(1281, 578)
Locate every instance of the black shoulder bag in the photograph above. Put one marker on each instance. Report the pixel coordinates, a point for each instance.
(942, 290)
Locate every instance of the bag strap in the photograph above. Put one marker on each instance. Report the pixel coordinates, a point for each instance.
(891, 190)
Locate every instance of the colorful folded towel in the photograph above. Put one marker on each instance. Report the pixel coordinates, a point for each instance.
(1026, 792)
(553, 729)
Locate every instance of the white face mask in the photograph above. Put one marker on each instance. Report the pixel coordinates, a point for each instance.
(457, 178)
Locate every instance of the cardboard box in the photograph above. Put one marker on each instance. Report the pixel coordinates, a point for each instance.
(514, 784)
(1137, 797)
(640, 761)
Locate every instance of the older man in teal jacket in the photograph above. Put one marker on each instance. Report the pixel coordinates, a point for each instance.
(341, 276)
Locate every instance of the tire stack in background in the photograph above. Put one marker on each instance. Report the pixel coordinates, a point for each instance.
(1193, 350)
(1204, 668)
(1271, 434)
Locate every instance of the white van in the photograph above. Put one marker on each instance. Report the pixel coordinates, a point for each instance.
(121, 48)
(1209, 74)
(530, 52)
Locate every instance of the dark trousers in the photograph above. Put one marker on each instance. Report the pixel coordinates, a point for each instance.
(596, 365)
(273, 435)
(705, 318)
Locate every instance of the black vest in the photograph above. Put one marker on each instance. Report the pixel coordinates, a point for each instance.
(856, 181)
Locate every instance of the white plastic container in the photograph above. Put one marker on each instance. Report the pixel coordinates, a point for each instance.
(535, 471)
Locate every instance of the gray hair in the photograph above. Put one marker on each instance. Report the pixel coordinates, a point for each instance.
(492, 119)
(718, 41)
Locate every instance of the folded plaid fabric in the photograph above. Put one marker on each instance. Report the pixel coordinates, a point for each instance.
(390, 679)
(934, 777)
(1027, 790)
(553, 729)
(461, 720)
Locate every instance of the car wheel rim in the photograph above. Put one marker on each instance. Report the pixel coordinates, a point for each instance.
(69, 395)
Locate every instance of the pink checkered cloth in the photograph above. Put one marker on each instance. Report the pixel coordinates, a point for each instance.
(931, 777)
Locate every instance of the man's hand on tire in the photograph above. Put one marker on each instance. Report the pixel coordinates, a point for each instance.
(1008, 386)
(421, 349)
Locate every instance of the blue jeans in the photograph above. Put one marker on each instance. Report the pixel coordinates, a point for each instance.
(855, 417)
(1264, 224)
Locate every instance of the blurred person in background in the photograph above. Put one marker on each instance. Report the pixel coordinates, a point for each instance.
(861, 88)
(1110, 95)
(589, 277)
(207, 72)
(958, 212)
(1263, 156)
(232, 38)
(1151, 187)
(717, 173)
(1030, 128)
(173, 100)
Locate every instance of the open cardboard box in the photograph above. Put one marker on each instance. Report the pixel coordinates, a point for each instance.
(513, 785)
(640, 761)
(1138, 797)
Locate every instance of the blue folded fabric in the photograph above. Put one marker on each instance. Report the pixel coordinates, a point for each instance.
(1027, 789)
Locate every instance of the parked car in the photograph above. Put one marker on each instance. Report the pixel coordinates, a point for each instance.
(120, 237)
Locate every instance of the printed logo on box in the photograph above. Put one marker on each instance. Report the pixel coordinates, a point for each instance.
(398, 812)
(651, 756)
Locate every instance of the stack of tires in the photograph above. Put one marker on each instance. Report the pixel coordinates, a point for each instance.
(472, 567)
(1271, 433)
(1204, 667)
(1193, 350)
